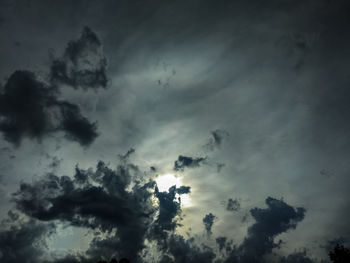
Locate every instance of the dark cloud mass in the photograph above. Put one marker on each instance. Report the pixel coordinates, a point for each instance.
(278, 218)
(24, 241)
(123, 220)
(99, 200)
(221, 241)
(83, 63)
(31, 109)
(208, 222)
(241, 101)
(106, 206)
(121, 211)
(233, 205)
(169, 210)
(187, 251)
(184, 161)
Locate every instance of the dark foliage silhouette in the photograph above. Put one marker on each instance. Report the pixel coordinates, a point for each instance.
(340, 254)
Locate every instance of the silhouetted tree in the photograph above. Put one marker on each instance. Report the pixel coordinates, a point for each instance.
(340, 254)
(124, 260)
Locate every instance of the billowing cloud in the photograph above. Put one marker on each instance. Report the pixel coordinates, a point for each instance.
(83, 64)
(31, 109)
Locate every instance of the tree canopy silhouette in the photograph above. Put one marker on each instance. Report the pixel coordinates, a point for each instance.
(340, 254)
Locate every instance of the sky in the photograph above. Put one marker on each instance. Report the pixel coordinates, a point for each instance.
(174, 131)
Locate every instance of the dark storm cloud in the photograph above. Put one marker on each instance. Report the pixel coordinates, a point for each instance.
(31, 109)
(23, 107)
(278, 218)
(208, 222)
(24, 241)
(221, 241)
(184, 161)
(233, 205)
(183, 250)
(98, 200)
(122, 219)
(217, 139)
(243, 34)
(83, 63)
(169, 209)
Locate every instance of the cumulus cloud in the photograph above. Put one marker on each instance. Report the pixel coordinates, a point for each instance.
(31, 109)
(83, 64)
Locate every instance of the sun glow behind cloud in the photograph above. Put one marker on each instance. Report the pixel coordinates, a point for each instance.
(164, 182)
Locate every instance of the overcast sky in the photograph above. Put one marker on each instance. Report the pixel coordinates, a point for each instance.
(243, 105)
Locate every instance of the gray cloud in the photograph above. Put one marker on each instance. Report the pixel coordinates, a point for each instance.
(221, 241)
(187, 251)
(169, 210)
(279, 217)
(273, 75)
(122, 220)
(103, 207)
(29, 108)
(24, 241)
(83, 63)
